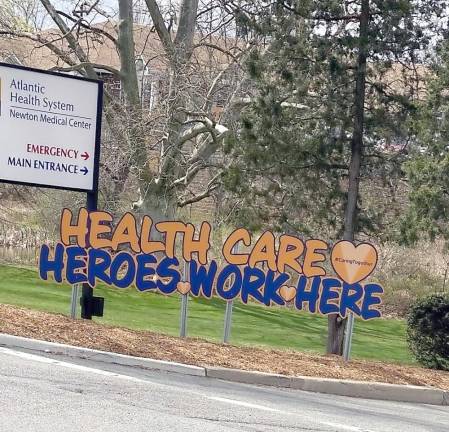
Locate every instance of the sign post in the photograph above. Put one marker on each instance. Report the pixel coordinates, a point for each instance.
(74, 301)
(228, 321)
(50, 131)
(349, 331)
(184, 305)
(90, 305)
(229, 308)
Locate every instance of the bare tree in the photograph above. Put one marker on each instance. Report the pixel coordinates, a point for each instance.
(163, 150)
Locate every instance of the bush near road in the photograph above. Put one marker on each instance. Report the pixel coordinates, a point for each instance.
(428, 331)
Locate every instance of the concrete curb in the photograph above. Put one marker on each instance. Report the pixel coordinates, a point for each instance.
(9, 341)
(359, 389)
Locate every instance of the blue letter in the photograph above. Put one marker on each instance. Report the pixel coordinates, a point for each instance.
(144, 272)
(251, 287)
(272, 286)
(371, 299)
(309, 297)
(349, 301)
(202, 279)
(117, 263)
(73, 264)
(56, 266)
(234, 290)
(99, 262)
(164, 270)
(327, 294)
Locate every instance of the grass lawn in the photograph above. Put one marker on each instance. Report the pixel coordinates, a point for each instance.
(252, 325)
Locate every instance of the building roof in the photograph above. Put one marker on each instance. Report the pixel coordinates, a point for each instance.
(102, 50)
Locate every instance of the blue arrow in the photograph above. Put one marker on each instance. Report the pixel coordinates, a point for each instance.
(84, 170)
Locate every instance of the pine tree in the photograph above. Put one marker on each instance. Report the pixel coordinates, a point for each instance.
(428, 167)
(335, 84)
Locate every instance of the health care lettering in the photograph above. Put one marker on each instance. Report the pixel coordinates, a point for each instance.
(151, 265)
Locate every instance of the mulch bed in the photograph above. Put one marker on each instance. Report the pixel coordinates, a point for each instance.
(58, 328)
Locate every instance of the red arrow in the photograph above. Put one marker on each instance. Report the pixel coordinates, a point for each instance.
(85, 155)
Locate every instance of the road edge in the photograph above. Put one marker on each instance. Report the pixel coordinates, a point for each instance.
(10, 341)
(350, 388)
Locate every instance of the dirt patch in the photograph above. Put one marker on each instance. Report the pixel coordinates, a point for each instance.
(58, 328)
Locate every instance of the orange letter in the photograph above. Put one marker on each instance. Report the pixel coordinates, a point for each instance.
(171, 229)
(126, 232)
(146, 244)
(290, 249)
(97, 227)
(200, 246)
(312, 257)
(264, 251)
(238, 235)
(79, 230)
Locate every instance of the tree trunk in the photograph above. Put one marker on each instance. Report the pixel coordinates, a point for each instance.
(159, 198)
(337, 325)
(335, 334)
(157, 203)
(127, 53)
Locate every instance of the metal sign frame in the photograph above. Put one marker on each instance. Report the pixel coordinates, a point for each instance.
(90, 305)
(98, 123)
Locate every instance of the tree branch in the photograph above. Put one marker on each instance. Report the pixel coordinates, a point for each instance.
(187, 21)
(212, 185)
(79, 66)
(44, 42)
(159, 25)
(88, 27)
(73, 43)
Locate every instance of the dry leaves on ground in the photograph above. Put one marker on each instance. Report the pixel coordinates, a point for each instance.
(58, 328)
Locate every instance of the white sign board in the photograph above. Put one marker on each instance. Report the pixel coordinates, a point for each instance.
(49, 129)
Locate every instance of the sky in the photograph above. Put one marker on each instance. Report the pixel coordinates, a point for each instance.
(108, 6)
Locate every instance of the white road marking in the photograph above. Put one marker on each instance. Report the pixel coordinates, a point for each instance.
(333, 425)
(342, 427)
(245, 404)
(74, 366)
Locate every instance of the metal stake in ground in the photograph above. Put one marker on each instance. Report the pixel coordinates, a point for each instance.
(74, 301)
(184, 305)
(229, 307)
(228, 321)
(348, 337)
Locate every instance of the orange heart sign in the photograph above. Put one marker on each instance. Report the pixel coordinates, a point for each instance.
(353, 263)
(183, 287)
(288, 293)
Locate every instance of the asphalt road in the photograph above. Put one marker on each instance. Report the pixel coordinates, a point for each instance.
(58, 394)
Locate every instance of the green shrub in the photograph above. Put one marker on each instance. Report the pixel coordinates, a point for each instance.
(428, 331)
